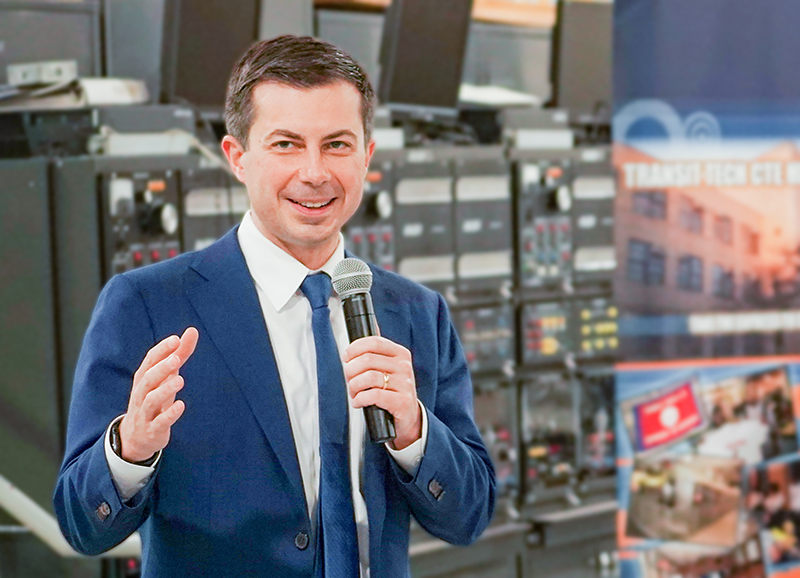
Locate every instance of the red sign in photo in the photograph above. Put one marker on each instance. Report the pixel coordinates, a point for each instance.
(667, 418)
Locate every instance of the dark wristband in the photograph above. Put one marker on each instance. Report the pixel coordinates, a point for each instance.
(116, 445)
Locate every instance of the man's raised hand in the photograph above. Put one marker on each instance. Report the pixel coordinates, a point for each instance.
(152, 408)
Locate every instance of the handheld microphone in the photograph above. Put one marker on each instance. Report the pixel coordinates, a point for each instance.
(352, 280)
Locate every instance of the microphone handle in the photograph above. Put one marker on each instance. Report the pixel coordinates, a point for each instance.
(359, 315)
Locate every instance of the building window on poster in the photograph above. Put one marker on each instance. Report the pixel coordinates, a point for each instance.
(750, 240)
(691, 217)
(651, 204)
(689, 346)
(690, 273)
(754, 343)
(723, 345)
(722, 282)
(647, 347)
(646, 263)
(723, 229)
(751, 290)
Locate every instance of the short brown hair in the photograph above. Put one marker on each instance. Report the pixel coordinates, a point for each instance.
(299, 61)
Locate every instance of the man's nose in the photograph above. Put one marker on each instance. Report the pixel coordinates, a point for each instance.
(314, 169)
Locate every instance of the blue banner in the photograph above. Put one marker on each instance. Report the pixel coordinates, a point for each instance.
(706, 132)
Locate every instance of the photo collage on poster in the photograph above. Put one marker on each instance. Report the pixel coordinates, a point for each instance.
(773, 503)
(705, 489)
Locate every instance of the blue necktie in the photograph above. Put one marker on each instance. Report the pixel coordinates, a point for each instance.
(336, 524)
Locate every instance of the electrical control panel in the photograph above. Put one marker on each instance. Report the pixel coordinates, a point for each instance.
(425, 240)
(213, 202)
(487, 335)
(593, 194)
(482, 196)
(543, 221)
(141, 218)
(370, 233)
(495, 407)
(596, 324)
(545, 332)
(597, 418)
(549, 437)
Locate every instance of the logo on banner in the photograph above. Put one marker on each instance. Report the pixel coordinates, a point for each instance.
(667, 418)
(699, 127)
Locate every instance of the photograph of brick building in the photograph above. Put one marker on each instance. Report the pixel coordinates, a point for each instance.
(693, 249)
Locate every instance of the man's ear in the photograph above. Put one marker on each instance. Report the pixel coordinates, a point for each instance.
(234, 152)
(370, 151)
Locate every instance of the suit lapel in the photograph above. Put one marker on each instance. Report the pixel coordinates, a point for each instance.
(392, 316)
(225, 299)
(394, 325)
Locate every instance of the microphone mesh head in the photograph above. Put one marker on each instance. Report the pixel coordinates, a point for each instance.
(351, 276)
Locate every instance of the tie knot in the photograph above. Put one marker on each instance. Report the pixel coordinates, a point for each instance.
(317, 289)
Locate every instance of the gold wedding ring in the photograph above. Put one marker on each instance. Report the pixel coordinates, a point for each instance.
(385, 380)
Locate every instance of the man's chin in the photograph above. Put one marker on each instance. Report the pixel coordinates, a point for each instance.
(315, 243)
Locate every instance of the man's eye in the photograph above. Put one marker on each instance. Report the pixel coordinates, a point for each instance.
(338, 144)
(284, 144)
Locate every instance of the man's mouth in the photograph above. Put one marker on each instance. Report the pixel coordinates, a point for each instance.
(312, 205)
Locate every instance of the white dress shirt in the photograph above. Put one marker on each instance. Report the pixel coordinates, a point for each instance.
(287, 312)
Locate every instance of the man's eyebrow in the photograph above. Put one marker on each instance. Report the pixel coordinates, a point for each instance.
(282, 132)
(338, 133)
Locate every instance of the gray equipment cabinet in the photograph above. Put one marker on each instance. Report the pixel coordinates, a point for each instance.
(60, 30)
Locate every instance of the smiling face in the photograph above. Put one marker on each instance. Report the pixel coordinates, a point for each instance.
(304, 167)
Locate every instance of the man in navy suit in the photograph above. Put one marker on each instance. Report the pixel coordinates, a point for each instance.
(194, 416)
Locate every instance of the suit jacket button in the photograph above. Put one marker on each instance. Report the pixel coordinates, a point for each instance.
(103, 511)
(435, 489)
(301, 540)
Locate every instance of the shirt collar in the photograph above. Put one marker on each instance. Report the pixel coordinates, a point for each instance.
(277, 274)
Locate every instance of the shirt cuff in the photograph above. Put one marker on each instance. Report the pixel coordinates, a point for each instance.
(409, 457)
(128, 478)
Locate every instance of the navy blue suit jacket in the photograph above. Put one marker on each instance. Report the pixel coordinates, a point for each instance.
(226, 498)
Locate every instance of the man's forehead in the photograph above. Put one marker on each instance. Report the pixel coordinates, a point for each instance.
(336, 105)
(290, 92)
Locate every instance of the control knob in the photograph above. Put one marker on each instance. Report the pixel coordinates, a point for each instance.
(560, 199)
(380, 205)
(162, 218)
